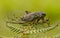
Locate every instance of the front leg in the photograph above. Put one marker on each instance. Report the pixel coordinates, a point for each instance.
(46, 21)
(43, 20)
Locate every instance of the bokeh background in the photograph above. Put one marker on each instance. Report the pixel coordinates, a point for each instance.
(51, 7)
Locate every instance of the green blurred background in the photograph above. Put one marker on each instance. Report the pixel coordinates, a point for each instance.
(51, 7)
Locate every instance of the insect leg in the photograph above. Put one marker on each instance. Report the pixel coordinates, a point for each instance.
(43, 20)
(48, 22)
(38, 20)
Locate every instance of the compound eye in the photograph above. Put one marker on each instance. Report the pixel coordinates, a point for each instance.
(44, 14)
